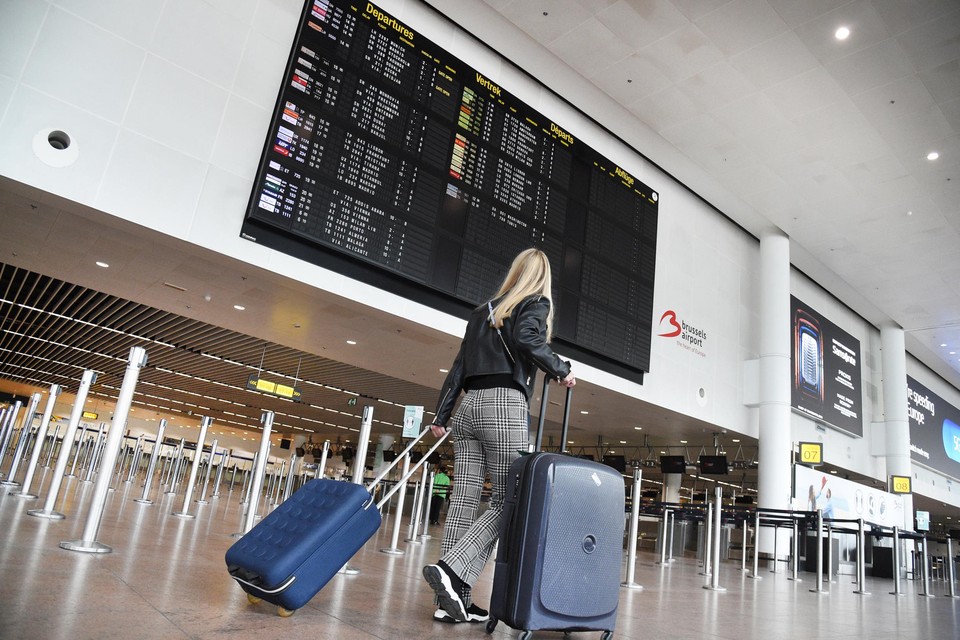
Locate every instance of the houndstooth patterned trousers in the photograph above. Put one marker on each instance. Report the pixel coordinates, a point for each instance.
(489, 429)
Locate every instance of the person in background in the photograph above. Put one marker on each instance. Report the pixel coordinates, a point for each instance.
(441, 489)
(507, 339)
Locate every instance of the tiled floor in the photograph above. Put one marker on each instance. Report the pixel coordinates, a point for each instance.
(166, 579)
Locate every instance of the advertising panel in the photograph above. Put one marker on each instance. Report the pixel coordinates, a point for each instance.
(934, 430)
(826, 370)
(844, 499)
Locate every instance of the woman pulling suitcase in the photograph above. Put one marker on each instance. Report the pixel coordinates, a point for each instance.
(506, 341)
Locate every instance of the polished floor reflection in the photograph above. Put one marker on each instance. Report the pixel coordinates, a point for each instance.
(166, 579)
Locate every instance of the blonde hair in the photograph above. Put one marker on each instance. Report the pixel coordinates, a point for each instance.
(529, 275)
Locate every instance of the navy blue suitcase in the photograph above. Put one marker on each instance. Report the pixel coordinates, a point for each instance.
(561, 546)
(299, 546)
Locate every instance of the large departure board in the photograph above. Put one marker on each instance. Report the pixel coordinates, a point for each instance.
(388, 155)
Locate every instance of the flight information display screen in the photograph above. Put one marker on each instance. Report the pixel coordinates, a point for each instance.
(389, 151)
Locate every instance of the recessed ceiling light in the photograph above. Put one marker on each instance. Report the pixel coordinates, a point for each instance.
(909, 213)
(239, 307)
(585, 412)
(943, 344)
(933, 155)
(444, 370)
(638, 428)
(953, 353)
(351, 342)
(623, 442)
(842, 33)
(683, 442)
(102, 265)
(736, 440)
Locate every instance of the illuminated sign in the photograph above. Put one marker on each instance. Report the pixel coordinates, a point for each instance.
(811, 452)
(256, 383)
(900, 484)
(89, 415)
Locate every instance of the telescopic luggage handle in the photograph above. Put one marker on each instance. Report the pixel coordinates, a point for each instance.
(538, 445)
(402, 481)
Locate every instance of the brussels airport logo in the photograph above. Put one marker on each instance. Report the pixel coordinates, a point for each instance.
(688, 336)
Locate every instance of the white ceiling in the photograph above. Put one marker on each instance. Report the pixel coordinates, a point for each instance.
(757, 107)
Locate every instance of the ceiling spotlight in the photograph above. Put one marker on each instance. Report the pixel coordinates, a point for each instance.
(736, 440)
(102, 265)
(585, 412)
(351, 342)
(239, 307)
(683, 442)
(842, 33)
(933, 155)
(638, 428)
(444, 370)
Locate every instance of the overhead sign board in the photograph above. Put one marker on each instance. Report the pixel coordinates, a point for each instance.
(256, 383)
(811, 453)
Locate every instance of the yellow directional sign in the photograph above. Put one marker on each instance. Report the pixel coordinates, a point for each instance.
(900, 484)
(811, 453)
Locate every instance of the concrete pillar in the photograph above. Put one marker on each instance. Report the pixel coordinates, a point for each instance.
(896, 424)
(775, 442)
(671, 487)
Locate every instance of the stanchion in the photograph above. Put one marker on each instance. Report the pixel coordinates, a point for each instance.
(717, 513)
(94, 457)
(10, 419)
(366, 422)
(41, 437)
(896, 562)
(776, 540)
(830, 552)
(743, 545)
(276, 482)
(861, 546)
(428, 499)
(819, 588)
(256, 474)
(53, 445)
(151, 466)
(925, 568)
(135, 461)
(86, 380)
(417, 504)
(951, 572)
(291, 476)
(673, 522)
(25, 425)
(185, 510)
(88, 543)
(756, 547)
(393, 550)
(206, 475)
(224, 461)
(634, 525)
(708, 540)
(796, 551)
(663, 539)
(322, 465)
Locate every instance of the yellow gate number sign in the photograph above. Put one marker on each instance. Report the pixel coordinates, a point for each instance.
(811, 453)
(900, 484)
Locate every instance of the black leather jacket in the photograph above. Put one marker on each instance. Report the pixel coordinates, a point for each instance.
(483, 353)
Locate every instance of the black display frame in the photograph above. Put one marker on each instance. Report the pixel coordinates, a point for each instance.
(351, 266)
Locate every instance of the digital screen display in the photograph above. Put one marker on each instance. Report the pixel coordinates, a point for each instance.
(826, 380)
(393, 162)
(934, 430)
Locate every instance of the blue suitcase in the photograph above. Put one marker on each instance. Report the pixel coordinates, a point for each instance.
(561, 546)
(299, 546)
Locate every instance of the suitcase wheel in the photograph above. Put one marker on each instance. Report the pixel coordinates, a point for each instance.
(607, 635)
(525, 635)
(285, 613)
(252, 599)
(491, 624)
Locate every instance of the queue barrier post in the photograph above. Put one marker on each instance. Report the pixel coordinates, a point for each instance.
(819, 588)
(359, 468)
(951, 572)
(708, 541)
(756, 547)
(663, 538)
(21, 447)
(861, 565)
(796, 551)
(393, 550)
(717, 513)
(925, 568)
(206, 476)
(428, 500)
(896, 562)
(629, 582)
(418, 500)
(256, 474)
(673, 524)
(151, 466)
(9, 421)
(136, 360)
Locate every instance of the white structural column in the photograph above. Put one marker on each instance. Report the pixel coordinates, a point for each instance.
(897, 427)
(774, 482)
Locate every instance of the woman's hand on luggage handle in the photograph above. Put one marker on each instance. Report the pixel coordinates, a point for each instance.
(438, 430)
(569, 381)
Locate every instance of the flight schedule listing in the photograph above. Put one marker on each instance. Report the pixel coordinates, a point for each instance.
(387, 149)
